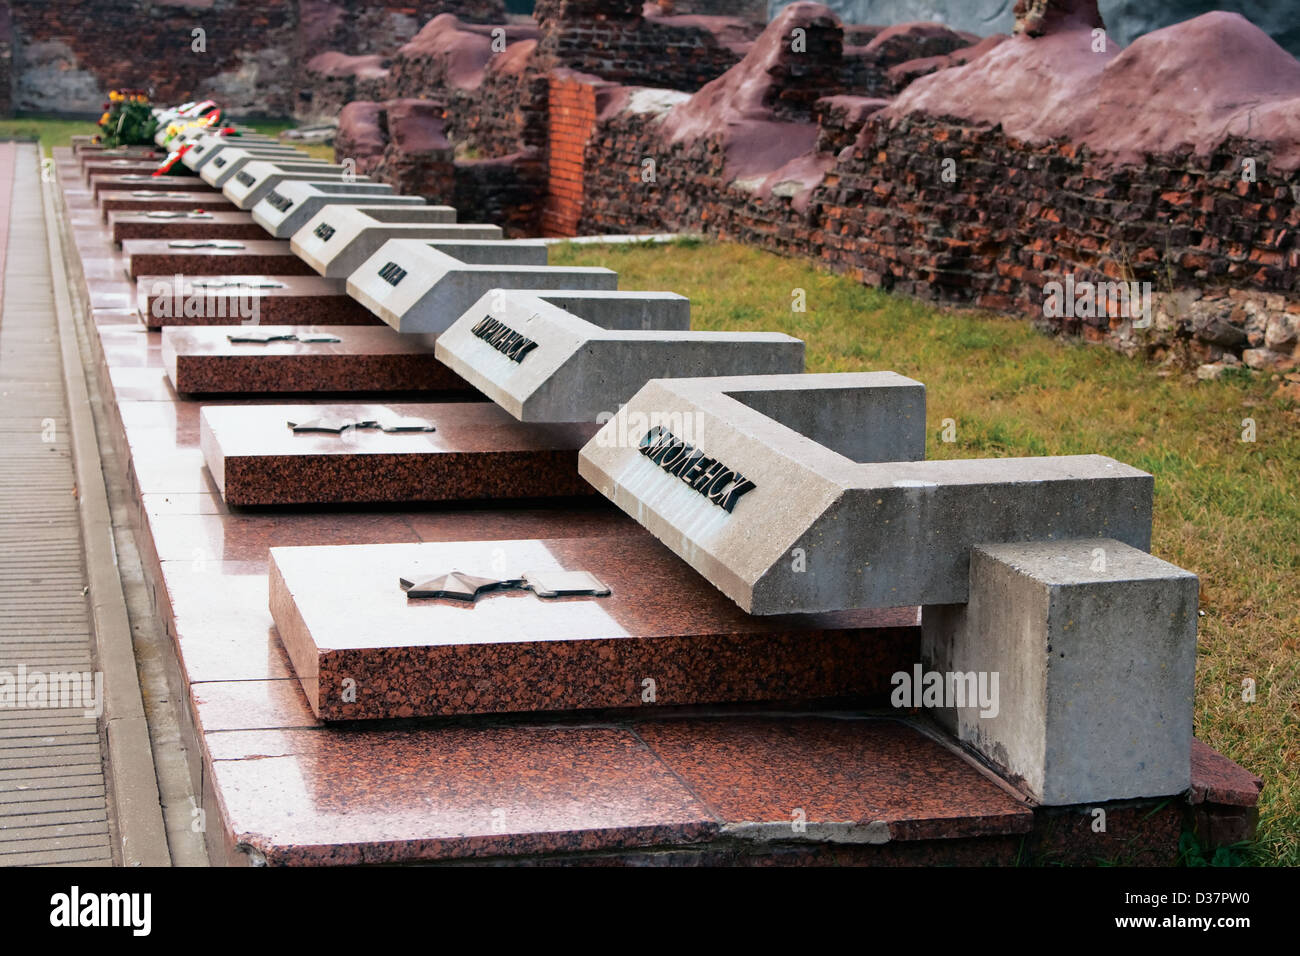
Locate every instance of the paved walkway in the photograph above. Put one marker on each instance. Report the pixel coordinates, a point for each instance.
(53, 806)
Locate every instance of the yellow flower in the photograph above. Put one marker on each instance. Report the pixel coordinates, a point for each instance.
(103, 120)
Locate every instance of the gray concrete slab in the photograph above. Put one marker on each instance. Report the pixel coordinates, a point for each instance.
(544, 364)
(837, 511)
(286, 208)
(415, 287)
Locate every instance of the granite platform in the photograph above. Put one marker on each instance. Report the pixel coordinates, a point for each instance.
(138, 201)
(198, 222)
(116, 182)
(118, 167)
(476, 452)
(361, 361)
(160, 257)
(661, 637)
(165, 300)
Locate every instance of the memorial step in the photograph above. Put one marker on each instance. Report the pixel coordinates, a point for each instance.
(746, 790)
(194, 223)
(358, 360)
(117, 167)
(138, 201)
(475, 452)
(215, 257)
(165, 300)
(660, 636)
(116, 182)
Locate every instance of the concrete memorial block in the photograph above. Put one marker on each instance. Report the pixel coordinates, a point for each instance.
(338, 239)
(286, 359)
(166, 300)
(544, 364)
(1094, 644)
(475, 452)
(806, 493)
(514, 650)
(200, 223)
(284, 210)
(231, 161)
(137, 201)
(210, 257)
(247, 187)
(415, 287)
(206, 148)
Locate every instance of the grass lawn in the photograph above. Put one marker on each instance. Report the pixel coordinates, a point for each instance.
(50, 130)
(1225, 508)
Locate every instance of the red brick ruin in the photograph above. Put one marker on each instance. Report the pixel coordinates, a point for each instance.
(974, 171)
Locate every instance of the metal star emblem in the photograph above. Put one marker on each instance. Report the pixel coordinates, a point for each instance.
(467, 587)
(457, 585)
(262, 337)
(328, 424)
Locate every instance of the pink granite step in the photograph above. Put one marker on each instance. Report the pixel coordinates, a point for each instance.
(662, 636)
(477, 452)
(138, 201)
(162, 257)
(362, 360)
(165, 300)
(196, 223)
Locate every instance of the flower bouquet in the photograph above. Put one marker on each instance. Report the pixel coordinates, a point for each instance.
(128, 119)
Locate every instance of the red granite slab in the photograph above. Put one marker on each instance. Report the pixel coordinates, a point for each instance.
(78, 158)
(117, 166)
(203, 224)
(663, 637)
(858, 780)
(154, 257)
(447, 793)
(295, 300)
(365, 359)
(127, 201)
(116, 182)
(478, 451)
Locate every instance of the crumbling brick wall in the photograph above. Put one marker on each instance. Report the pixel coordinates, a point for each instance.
(249, 55)
(613, 40)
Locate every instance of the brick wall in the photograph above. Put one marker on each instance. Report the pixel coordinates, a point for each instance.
(612, 40)
(1220, 253)
(66, 55)
(572, 111)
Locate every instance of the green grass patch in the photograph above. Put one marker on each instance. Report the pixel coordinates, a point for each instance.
(50, 131)
(1226, 509)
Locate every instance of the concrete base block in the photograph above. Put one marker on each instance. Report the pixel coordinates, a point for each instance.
(1093, 644)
